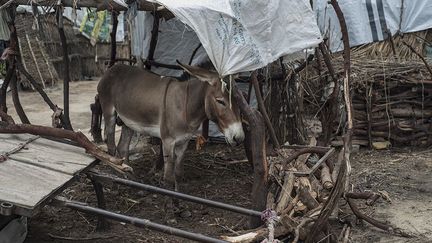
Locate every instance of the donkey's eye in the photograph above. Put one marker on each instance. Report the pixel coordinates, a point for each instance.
(220, 101)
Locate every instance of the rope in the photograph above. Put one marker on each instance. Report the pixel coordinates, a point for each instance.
(230, 91)
(271, 218)
(224, 86)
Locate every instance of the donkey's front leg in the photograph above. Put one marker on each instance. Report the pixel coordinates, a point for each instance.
(168, 153)
(179, 151)
(169, 175)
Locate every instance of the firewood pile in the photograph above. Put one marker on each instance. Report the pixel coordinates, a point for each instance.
(305, 190)
(392, 101)
(392, 105)
(300, 185)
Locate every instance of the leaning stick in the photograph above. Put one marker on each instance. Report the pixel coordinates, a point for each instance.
(263, 110)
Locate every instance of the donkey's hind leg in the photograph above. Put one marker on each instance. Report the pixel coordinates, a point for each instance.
(123, 145)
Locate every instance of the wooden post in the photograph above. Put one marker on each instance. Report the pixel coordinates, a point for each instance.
(11, 68)
(342, 182)
(346, 88)
(263, 111)
(12, 74)
(114, 21)
(5, 85)
(66, 75)
(150, 56)
(256, 153)
(16, 101)
(330, 110)
(154, 38)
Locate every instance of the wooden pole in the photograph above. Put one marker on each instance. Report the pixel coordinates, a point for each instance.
(5, 85)
(16, 101)
(150, 56)
(12, 74)
(256, 152)
(11, 68)
(330, 110)
(346, 88)
(114, 21)
(342, 181)
(66, 76)
(263, 111)
(154, 39)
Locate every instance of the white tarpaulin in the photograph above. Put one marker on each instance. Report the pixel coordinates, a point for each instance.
(243, 35)
(175, 41)
(372, 20)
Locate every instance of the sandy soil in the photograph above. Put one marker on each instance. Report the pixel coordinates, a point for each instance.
(81, 96)
(403, 174)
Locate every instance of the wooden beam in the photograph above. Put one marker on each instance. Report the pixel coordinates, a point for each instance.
(255, 151)
(113, 33)
(153, 40)
(110, 5)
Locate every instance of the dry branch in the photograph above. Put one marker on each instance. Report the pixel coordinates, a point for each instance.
(375, 222)
(285, 195)
(420, 56)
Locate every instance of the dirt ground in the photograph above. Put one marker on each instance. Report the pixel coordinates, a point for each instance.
(219, 173)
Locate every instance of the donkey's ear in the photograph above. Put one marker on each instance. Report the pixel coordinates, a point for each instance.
(201, 73)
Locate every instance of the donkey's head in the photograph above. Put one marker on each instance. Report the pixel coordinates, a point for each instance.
(217, 104)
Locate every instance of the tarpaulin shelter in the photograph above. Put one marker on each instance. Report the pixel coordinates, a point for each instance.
(243, 35)
(372, 20)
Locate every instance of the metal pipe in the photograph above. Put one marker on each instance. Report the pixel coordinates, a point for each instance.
(179, 195)
(142, 223)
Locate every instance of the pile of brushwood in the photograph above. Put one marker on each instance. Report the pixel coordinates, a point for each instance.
(307, 185)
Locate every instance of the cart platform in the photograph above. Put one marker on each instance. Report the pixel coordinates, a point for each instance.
(30, 177)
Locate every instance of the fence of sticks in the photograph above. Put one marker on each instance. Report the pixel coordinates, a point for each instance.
(391, 101)
(392, 104)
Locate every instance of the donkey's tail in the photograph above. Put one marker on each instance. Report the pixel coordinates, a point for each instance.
(96, 121)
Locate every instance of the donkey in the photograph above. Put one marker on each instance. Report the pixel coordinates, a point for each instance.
(166, 108)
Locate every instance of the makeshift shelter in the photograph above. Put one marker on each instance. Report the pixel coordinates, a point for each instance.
(372, 20)
(236, 40)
